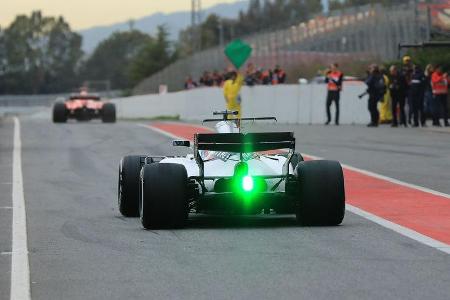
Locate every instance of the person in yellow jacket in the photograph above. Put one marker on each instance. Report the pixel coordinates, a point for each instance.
(385, 105)
(231, 89)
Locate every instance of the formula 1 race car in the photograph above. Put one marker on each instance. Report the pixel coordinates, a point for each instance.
(231, 173)
(84, 107)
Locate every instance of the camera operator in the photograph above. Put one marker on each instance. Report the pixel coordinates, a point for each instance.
(376, 90)
(397, 87)
(416, 94)
(407, 70)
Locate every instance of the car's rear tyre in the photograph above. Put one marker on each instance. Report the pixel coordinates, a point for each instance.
(321, 193)
(128, 185)
(164, 196)
(109, 113)
(59, 113)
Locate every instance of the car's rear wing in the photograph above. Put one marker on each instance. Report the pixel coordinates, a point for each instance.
(244, 143)
(84, 97)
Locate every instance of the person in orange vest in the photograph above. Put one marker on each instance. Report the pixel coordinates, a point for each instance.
(266, 77)
(439, 84)
(333, 79)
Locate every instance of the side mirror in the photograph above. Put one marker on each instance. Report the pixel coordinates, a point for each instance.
(181, 143)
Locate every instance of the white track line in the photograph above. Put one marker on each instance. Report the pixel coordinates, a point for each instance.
(20, 267)
(369, 216)
(400, 229)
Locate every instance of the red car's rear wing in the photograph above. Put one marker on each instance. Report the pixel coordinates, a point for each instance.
(84, 97)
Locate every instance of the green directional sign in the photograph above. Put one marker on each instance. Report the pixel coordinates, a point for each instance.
(238, 52)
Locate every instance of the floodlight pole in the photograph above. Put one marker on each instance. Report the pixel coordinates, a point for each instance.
(196, 20)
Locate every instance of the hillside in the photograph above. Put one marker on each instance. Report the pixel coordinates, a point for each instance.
(174, 22)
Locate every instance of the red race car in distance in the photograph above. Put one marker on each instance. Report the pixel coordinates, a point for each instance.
(84, 107)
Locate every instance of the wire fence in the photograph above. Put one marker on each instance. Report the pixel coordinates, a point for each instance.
(358, 34)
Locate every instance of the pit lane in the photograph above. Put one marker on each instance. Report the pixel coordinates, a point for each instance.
(80, 247)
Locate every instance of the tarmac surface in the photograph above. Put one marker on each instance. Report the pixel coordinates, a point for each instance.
(81, 248)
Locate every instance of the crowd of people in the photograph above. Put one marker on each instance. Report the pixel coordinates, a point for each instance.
(403, 95)
(252, 76)
(413, 92)
(406, 94)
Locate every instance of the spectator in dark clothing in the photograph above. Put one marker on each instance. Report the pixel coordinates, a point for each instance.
(251, 79)
(407, 71)
(266, 77)
(398, 88)
(376, 89)
(279, 76)
(333, 79)
(227, 74)
(251, 76)
(206, 79)
(416, 94)
(217, 78)
(190, 83)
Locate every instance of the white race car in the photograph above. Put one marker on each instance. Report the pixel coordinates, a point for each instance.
(231, 173)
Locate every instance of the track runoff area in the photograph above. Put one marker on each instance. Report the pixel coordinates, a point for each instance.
(416, 212)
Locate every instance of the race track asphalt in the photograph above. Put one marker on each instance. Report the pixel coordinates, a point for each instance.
(81, 248)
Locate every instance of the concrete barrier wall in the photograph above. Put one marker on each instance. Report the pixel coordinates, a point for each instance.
(301, 104)
(28, 100)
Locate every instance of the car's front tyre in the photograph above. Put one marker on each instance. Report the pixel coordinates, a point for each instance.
(164, 196)
(321, 193)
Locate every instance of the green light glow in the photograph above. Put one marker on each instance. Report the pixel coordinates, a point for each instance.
(247, 183)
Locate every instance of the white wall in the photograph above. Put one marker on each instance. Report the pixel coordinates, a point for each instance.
(303, 104)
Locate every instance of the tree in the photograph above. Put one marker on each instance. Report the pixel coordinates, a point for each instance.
(210, 31)
(39, 55)
(112, 58)
(254, 11)
(153, 57)
(63, 55)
